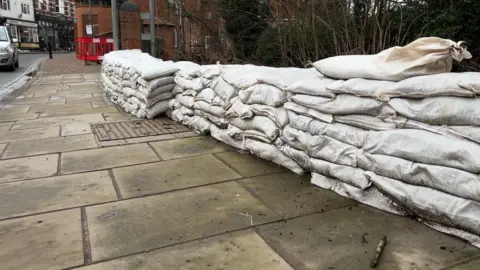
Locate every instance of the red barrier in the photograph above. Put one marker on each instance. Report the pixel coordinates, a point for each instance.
(93, 49)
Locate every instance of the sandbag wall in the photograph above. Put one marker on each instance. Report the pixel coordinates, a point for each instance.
(137, 82)
(406, 144)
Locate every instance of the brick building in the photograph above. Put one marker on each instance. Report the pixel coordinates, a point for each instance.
(55, 23)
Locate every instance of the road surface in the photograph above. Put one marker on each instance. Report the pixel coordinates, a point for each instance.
(26, 60)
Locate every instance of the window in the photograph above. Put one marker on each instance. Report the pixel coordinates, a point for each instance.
(208, 15)
(12, 30)
(5, 4)
(28, 34)
(57, 5)
(207, 42)
(25, 8)
(194, 40)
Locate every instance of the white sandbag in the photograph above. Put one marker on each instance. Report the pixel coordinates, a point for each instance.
(362, 88)
(194, 83)
(344, 105)
(156, 91)
(189, 92)
(206, 95)
(321, 147)
(271, 153)
(215, 110)
(405, 123)
(366, 122)
(465, 84)
(186, 101)
(263, 94)
(431, 204)
(349, 175)
(452, 111)
(449, 180)
(177, 90)
(210, 71)
(312, 86)
(371, 196)
(471, 238)
(258, 123)
(173, 104)
(239, 109)
(424, 56)
(187, 69)
(299, 109)
(467, 132)
(346, 134)
(222, 135)
(425, 147)
(186, 111)
(242, 135)
(151, 69)
(223, 89)
(218, 101)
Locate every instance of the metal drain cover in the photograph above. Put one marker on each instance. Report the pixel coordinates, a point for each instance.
(136, 128)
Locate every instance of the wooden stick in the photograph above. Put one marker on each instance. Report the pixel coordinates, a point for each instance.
(378, 252)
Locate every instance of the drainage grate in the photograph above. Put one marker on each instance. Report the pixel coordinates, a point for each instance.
(136, 128)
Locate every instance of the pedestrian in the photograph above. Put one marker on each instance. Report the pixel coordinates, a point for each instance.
(49, 48)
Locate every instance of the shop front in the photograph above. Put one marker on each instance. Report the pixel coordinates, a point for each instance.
(25, 32)
(57, 30)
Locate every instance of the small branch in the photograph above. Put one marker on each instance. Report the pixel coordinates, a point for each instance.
(378, 252)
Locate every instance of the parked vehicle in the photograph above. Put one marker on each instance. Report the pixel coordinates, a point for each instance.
(8, 50)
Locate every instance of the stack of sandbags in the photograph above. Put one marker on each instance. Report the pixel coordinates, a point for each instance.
(394, 140)
(137, 82)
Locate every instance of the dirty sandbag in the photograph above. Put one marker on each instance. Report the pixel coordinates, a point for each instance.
(405, 123)
(449, 180)
(188, 69)
(424, 56)
(452, 111)
(194, 84)
(277, 115)
(222, 135)
(157, 109)
(366, 122)
(186, 111)
(344, 105)
(431, 204)
(174, 104)
(156, 82)
(370, 196)
(299, 109)
(361, 87)
(215, 110)
(259, 123)
(199, 124)
(186, 101)
(321, 147)
(425, 147)
(271, 153)
(219, 121)
(347, 134)
(346, 174)
(466, 84)
(263, 94)
(177, 90)
(313, 86)
(159, 90)
(471, 238)
(149, 102)
(239, 109)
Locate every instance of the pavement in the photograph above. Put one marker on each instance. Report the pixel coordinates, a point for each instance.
(25, 61)
(176, 201)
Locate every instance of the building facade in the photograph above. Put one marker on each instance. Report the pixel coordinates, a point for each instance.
(55, 19)
(19, 18)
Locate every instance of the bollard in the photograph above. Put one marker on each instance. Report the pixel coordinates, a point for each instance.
(49, 47)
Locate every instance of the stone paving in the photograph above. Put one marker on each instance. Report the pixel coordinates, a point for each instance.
(176, 201)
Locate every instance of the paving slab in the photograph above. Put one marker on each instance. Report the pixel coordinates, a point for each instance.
(99, 94)
(470, 264)
(42, 92)
(100, 104)
(152, 138)
(188, 147)
(34, 100)
(347, 239)
(72, 112)
(2, 147)
(140, 224)
(171, 175)
(28, 168)
(29, 134)
(292, 195)
(55, 193)
(84, 100)
(72, 95)
(240, 250)
(248, 165)
(118, 116)
(14, 110)
(76, 128)
(55, 121)
(16, 117)
(50, 145)
(58, 108)
(109, 157)
(48, 241)
(6, 126)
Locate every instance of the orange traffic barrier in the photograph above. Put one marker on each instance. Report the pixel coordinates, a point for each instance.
(93, 49)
